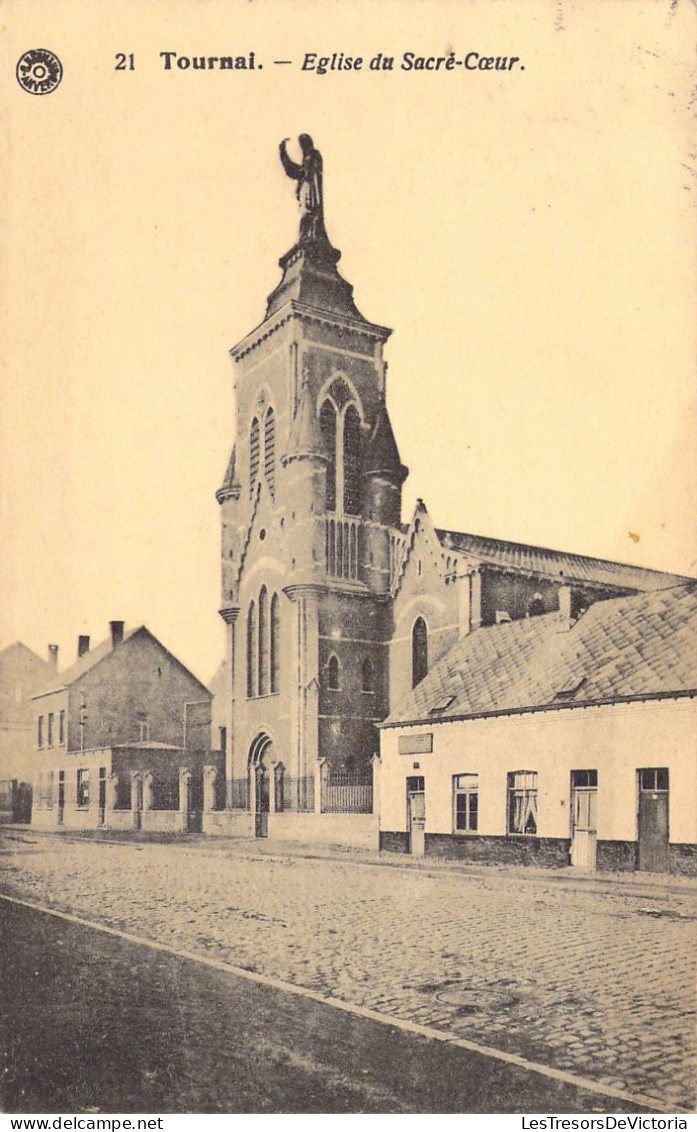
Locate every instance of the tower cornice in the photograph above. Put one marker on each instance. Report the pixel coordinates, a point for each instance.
(295, 310)
(229, 613)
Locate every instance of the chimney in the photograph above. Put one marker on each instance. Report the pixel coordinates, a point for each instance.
(116, 633)
(83, 645)
(53, 657)
(565, 606)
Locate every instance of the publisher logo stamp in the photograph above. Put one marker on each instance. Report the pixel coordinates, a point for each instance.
(39, 71)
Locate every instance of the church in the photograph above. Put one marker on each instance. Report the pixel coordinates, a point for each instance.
(336, 609)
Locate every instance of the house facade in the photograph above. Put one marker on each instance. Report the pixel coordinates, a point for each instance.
(554, 741)
(335, 609)
(22, 673)
(122, 738)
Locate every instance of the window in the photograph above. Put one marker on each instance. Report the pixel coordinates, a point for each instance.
(61, 727)
(465, 802)
(49, 790)
(143, 730)
(40, 731)
(536, 605)
(333, 673)
(223, 738)
(584, 778)
(253, 454)
(654, 778)
(274, 656)
(263, 645)
(352, 461)
(368, 676)
(83, 788)
(270, 450)
(263, 657)
(251, 649)
(327, 424)
(522, 802)
(49, 729)
(419, 651)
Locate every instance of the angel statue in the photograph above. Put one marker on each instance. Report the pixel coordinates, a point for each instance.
(308, 175)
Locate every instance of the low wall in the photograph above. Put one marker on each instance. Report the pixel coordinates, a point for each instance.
(73, 817)
(119, 819)
(357, 831)
(228, 823)
(163, 821)
(544, 852)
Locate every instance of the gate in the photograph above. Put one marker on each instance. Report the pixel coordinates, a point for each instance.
(61, 797)
(258, 763)
(137, 800)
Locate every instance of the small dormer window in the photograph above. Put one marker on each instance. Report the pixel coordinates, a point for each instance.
(441, 706)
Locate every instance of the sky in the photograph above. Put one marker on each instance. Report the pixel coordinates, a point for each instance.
(529, 235)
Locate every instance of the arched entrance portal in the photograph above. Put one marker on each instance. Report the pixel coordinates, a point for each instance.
(259, 763)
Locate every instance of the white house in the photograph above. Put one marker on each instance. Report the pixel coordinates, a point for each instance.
(551, 741)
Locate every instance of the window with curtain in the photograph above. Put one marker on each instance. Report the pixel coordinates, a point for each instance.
(522, 802)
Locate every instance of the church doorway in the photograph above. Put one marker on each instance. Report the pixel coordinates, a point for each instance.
(259, 764)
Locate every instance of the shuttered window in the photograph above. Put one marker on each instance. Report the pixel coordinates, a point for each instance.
(270, 450)
(253, 454)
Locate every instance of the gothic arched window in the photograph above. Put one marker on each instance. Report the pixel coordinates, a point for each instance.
(263, 685)
(253, 454)
(352, 461)
(419, 651)
(270, 450)
(333, 672)
(251, 649)
(327, 424)
(368, 675)
(274, 641)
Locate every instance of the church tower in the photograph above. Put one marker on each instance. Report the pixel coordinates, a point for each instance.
(310, 509)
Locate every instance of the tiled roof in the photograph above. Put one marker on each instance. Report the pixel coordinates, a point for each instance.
(382, 453)
(555, 563)
(640, 645)
(84, 664)
(230, 480)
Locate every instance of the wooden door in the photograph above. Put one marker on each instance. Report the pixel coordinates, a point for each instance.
(653, 820)
(416, 815)
(584, 823)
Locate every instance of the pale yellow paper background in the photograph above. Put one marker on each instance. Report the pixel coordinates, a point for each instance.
(530, 236)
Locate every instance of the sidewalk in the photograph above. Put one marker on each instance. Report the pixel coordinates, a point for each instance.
(633, 883)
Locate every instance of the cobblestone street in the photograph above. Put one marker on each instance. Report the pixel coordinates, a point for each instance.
(594, 978)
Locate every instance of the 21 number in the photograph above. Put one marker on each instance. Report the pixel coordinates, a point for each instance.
(125, 62)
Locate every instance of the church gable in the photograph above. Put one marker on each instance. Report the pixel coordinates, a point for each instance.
(421, 568)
